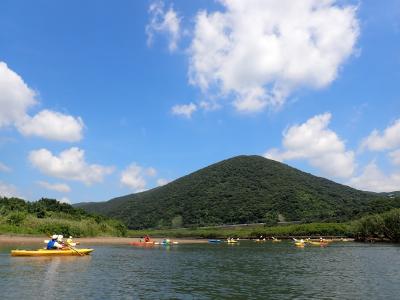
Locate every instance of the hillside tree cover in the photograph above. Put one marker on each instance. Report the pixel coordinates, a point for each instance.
(243, 189)
(49, 216)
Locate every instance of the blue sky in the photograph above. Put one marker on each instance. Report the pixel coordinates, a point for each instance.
(99, 99)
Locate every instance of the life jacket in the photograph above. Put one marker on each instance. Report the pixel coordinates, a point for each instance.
(50, 244)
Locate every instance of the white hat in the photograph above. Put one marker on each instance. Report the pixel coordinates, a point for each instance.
(60, 237)
(70, 237)
(55, 236)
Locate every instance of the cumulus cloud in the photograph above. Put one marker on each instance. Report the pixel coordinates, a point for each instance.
(16, 98)
(373, 179)
(64, 200)
(69, 164)
(8, 190)
(134, 177)
(58, 187)
(261, 51)
(162, 181)
(185, 110)
(395, 157)
(53, 126)
(388, 139)
(4, 168)
(319, 145)
(165, 22)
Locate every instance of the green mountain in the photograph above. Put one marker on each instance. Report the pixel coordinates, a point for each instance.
(243, 189)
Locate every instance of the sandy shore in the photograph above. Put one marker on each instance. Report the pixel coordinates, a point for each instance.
(29, 239)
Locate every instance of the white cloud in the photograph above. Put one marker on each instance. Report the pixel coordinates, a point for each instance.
(8, 190)
(388, 139)
(69, 164)
(373, 179)
(64, 200)
(163, 22)
(16, 98)
(318, 144)
(261, 51)
(134, 177)
(53, 126)
(4, 168)
(209, 105)
(162, 181)
(59, 187)
(151, 172)
(395, 157)
(185, 110)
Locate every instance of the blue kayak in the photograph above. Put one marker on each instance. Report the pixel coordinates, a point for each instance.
(214, 241)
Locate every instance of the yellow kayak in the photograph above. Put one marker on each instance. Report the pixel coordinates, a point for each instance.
(45, 252)
(322, 244)
(299, 244)
(231, 241)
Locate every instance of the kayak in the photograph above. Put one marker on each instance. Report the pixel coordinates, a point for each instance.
(259, 241)
(322, 244)
(45, 252)
(231, 241)
(166, 243)
(142, 244)
(214, 241)
(299, 244)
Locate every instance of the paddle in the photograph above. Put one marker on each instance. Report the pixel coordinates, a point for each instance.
(72, 248)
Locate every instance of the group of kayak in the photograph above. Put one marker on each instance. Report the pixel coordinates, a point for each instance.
(55, 246)
(147, 242)
(302, 243)
(298, 243)
(58, 247)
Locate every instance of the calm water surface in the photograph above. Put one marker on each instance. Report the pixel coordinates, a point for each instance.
(206, 271)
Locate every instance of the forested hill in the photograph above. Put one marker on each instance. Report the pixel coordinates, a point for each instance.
(243, 189)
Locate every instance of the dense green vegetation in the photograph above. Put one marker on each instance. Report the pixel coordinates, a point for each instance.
(384, 226)
(48, 216)
(243, 189)
(381, 227)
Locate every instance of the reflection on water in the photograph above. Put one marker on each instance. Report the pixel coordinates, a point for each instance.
(204, 271)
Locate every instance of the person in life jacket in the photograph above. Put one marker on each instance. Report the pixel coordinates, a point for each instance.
(53, 244)
(147, 239)
(70, 242)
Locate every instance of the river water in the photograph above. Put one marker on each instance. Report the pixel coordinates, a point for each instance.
(207, 271)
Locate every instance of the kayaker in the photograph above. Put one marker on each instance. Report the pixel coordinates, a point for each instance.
(53, 244)
(146, 239)
(69, 242)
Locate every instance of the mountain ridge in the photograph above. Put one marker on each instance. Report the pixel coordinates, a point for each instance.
(242, 189)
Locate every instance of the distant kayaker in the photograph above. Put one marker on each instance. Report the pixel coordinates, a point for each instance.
(146, 239)
(53, 243)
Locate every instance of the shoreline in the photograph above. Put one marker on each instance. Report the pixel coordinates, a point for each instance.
(106, 240)
(32, 239)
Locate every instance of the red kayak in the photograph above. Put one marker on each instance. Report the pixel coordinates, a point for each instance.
(142, 244)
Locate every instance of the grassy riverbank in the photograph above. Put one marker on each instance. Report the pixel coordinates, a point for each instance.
(48, 216)
(312, 229)
(377, 227)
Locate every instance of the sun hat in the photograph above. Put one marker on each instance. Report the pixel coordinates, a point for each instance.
(55, 236)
